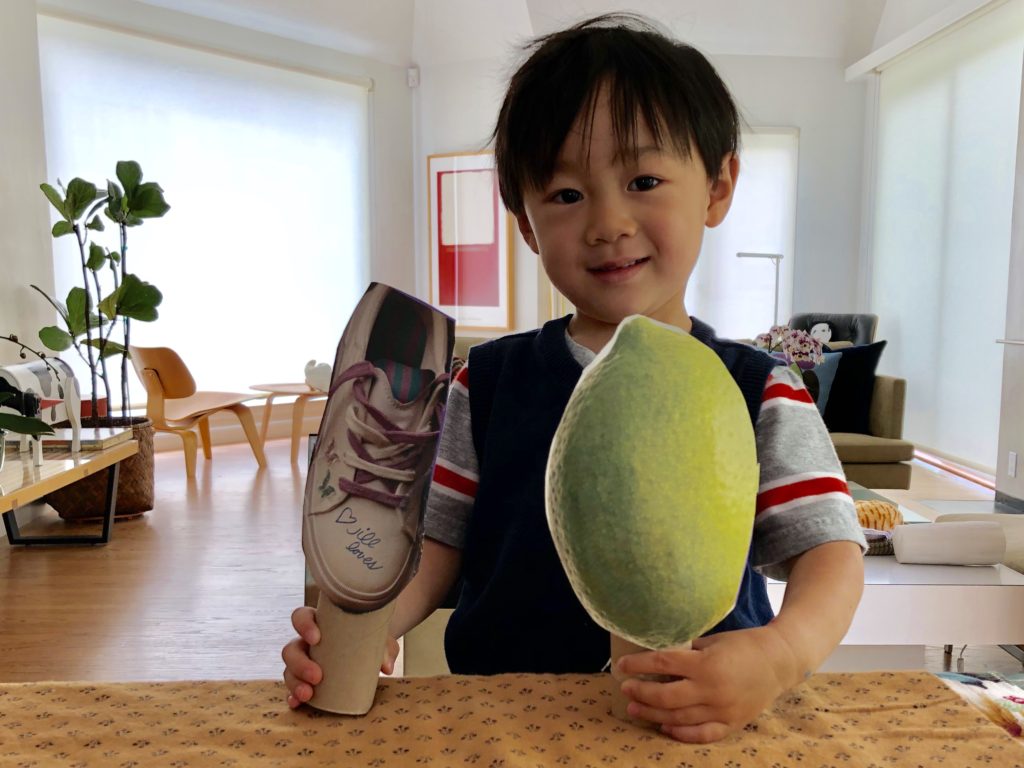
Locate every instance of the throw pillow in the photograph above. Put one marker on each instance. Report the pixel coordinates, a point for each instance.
(849, 401)
(819, 379)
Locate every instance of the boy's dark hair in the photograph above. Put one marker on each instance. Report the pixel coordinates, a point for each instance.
(668, 84)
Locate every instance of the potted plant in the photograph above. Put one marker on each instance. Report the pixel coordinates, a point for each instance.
(96, 319)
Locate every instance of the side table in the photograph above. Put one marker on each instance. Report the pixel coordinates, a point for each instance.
(301, 393)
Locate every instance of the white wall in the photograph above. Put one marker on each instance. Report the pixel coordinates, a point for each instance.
(899, 16)
(456, 105)
(813, 96)
(25, 253)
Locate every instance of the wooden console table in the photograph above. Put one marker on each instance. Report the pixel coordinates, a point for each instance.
(21, 483)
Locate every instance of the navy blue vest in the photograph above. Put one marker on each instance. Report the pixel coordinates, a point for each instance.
(516, 610)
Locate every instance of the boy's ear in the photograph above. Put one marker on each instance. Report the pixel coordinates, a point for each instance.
(527, 231)
(721, 191)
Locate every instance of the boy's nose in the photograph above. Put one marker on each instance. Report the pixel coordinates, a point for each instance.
(607, 223)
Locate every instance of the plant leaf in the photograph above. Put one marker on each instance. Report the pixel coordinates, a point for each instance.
(24, 425)
(115, 202)
(81, 194)
(96, 224)
(55, 199)
(107, 348)
(77, 302)
(139, 299)
(109, 305)
(62, 228)
(129, 173)
(54, 338)
(62, 310)
(147, 202)
(97, 257)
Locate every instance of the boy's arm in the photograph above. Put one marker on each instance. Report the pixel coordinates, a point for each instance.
(824, 588)
(806, 531)
(729, 678)
(446, 517)
(438, 571)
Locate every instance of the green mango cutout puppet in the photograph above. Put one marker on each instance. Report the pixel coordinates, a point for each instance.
(651, 486)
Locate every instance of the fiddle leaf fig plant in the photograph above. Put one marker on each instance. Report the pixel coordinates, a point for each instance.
(109, 297)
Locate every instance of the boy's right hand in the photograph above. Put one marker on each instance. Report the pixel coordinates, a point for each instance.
(301, 673)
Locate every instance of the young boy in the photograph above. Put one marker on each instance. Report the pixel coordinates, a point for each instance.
(615, 147)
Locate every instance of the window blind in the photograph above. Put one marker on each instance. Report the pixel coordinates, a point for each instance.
(737, 296)
(265, 250)
(947, 144)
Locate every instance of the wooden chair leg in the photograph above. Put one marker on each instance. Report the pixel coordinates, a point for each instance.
(204, 435)
(188, 438)
(249, 426)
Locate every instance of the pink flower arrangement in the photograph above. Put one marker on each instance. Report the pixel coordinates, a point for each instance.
(798, 348)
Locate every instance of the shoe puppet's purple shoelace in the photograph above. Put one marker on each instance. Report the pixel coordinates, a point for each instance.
(405, 460)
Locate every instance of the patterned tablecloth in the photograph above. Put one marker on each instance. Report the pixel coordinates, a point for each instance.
(866, 719)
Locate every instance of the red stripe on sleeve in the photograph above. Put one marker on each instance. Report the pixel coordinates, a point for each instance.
(788, 393)
(463, 376)
(454, 481)
(798, 490)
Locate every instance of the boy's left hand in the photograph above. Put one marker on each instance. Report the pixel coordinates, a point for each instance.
(728, 679)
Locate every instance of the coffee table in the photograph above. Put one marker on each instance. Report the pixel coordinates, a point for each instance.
(907, 607)
(22, 482)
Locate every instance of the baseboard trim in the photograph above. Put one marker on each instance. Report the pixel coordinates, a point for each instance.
(954, 468)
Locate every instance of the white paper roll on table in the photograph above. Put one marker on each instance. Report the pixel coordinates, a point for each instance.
(974, 543)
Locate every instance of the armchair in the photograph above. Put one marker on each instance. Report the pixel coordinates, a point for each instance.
(856, 329)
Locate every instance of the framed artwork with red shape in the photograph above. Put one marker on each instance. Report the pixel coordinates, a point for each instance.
(470, 242)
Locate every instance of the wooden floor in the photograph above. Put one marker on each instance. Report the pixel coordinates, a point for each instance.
(199, 588)
(202, 587)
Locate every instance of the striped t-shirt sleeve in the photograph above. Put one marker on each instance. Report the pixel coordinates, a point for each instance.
(456, 473)
(802, 499)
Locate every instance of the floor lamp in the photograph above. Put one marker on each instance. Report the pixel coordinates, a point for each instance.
(775, 257)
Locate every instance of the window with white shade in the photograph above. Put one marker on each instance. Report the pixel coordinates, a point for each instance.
(947, 146)
(736, 296)
(265, 250)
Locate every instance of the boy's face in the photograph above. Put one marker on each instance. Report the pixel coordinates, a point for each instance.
(619, 237)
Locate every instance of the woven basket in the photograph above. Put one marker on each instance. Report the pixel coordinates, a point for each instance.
(86, 500)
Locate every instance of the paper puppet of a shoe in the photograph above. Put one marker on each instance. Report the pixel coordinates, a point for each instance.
(651, 487)
(367, 481)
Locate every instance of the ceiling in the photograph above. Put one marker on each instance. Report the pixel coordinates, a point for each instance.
(428, 32)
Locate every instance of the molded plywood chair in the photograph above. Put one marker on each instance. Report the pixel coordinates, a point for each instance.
(174, 405)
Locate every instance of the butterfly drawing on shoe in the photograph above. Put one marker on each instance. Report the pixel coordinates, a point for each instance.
(326, 489)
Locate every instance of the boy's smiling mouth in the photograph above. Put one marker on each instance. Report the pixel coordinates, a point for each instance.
(618, 270)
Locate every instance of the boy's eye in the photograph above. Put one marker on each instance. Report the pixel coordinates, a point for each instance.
(567, 196)
(643, 183)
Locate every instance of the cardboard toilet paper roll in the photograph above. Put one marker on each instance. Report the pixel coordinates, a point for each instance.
(974, 543)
